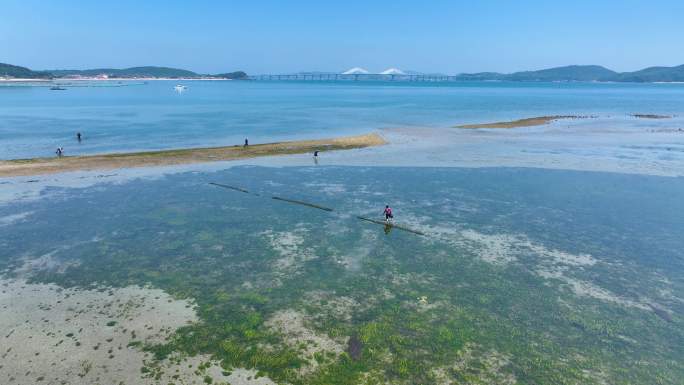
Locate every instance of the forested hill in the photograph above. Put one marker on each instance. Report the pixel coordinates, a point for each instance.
(133, 72)
(568, 73)
(237, 75)
(584, 73)
(12, 71)
(146, 72)
(654, 74)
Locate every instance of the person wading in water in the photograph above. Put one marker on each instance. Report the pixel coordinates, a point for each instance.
(388, 214)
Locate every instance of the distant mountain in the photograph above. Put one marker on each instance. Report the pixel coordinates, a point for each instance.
(8, 70)
(584, 73)
(90, 72)
(581, 73)
(653, 74)
(133, 72)
(481, 76)
(237, 75)
(567, 73)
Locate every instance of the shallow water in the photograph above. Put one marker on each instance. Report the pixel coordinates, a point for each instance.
(535, 275)
(554, 275)
(34, 120)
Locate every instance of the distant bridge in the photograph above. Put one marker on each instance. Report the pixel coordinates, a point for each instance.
(357, 77)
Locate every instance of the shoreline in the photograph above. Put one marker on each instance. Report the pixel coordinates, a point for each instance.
(94, 79)
(41, 166)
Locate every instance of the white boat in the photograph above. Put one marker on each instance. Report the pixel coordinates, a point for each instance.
(180, 88)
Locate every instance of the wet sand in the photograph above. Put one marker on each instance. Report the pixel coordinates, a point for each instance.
(39, 166)
(527, 122)
(78, 336)
(53, 335)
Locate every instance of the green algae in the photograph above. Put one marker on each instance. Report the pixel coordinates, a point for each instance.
(480, 323)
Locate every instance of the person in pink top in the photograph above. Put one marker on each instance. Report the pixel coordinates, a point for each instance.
(388, 213)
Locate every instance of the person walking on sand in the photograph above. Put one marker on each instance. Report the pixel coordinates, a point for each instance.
(59, 152)
(388, 213)
(246, 142)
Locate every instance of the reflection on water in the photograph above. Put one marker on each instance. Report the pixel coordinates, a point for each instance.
(522, 275)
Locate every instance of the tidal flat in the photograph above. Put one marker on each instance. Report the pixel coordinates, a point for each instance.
(522, 276)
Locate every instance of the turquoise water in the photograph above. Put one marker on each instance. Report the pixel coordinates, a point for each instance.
(35, 120)
(558, 272)
(523, 275)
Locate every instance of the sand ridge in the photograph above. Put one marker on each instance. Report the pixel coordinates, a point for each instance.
(527, 122)
(40, 166)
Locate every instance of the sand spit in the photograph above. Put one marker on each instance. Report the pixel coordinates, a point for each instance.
(527, 122)
(73, 336)
(651, 116)
(39, 166)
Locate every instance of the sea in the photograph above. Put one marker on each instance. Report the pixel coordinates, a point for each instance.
(133, 116)
(536, 255)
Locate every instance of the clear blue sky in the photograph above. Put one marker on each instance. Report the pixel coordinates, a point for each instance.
(287, 36)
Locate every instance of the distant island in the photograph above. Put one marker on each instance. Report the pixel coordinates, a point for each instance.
(584, 73)
(572, 73)
(153, 72)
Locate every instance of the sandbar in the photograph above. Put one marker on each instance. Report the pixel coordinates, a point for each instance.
(651, 116)
(527, 122)
(40, 166)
